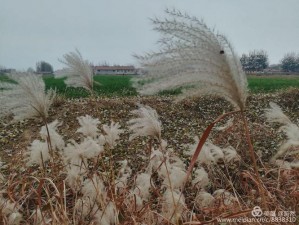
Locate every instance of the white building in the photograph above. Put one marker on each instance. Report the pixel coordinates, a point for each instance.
(115, 70)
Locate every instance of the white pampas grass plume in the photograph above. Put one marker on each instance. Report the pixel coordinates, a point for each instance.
(292, 131)
(287, 165)
(201, 178)
(173, 205)
(88, 126)
(112, 133)
(163, 169)
(156, 159)
(10, 211)
(175, 178)
(15, 218)
(124, 168)
(177, 161)
(143, 185)
(74, 176)
(204, 199)
(38, 153)
(123, 174)
(56, 139)
(275, 115)
(107, 216)
(209, 154)
(146, 123)
(26, 98)
(194, 57)
(170, 168)
(79, 72)
(77, 153)
(230, 154)
(94, 189)
(85, 207)
(290, 147)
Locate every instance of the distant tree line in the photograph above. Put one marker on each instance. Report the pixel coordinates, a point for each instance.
(257, 61)
(290, 63)
(44, 67)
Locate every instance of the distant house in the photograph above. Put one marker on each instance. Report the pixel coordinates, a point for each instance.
(115, 70)
(3, 71)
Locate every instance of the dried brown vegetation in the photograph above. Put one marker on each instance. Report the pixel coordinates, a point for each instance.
(32, 188)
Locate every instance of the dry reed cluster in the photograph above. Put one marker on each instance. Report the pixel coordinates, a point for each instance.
(84, 182)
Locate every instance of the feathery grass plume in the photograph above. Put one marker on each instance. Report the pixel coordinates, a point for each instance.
(56, 139)
(275, 115)
(146, 123)
(175, 178)
(194, 57)
(201, 178)
(156, 159)
(287, 165)
(26, 98)
(9, 212)
(94, 189)
(74, 176)
(204, 199)
(230, 154)
(210, 153)
(173, 205)
(88, 126)
(86, 207)
(123, 174)
(107, 216)
(112, 133)
(77, 154)
(143, 184)
(79, 72)
(38, 153)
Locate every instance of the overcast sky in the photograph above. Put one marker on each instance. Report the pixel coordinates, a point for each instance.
(112, 30)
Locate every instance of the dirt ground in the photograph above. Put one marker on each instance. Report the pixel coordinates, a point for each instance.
(181, 120)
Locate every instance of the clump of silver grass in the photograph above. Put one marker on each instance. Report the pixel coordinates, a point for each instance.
(88, 126)
(212, 154)
(112, 133)
(173, 205)
(146, 123)
(275, 115)
(79, 72)
(39, 151)
(194, 57)
(10, 211)
(26, 97)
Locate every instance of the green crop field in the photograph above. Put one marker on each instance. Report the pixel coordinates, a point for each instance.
(272, 83)
(109, 86)
(122, 85)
